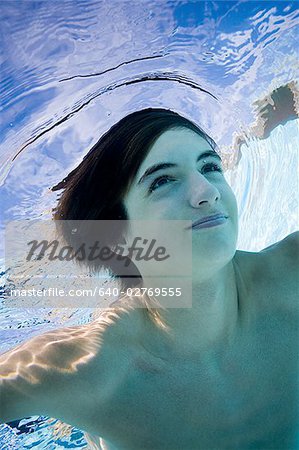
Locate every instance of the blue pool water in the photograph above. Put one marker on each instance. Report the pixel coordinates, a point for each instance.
(71, 69)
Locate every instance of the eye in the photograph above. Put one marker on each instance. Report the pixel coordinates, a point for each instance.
(212, 167)
(160, 181)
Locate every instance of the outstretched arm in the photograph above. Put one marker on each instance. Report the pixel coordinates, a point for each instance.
(49, 375)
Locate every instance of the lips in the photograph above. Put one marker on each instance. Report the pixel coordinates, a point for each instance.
(208, 219)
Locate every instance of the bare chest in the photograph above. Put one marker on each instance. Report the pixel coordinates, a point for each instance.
(238, 397)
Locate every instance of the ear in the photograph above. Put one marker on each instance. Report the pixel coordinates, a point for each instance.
(121, 248)
(124, 241)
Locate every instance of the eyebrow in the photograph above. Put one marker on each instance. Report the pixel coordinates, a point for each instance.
(160, 166)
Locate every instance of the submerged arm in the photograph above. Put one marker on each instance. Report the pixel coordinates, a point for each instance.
(49, 375)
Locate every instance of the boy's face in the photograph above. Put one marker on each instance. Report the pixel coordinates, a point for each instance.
(191, 189)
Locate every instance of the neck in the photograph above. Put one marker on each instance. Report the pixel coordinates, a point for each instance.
(213, 316)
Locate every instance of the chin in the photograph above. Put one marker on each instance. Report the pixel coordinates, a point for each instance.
(217, 250)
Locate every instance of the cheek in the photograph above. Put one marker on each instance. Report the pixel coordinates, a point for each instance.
(230, 200)
(231, 206)
(234, 205)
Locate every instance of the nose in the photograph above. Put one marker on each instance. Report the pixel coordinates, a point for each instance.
(201, 191)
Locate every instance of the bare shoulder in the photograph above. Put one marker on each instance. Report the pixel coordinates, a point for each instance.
(272, 274)
(282, 260)
(288, 247)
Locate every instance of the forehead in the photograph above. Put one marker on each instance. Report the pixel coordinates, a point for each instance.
(175, 145)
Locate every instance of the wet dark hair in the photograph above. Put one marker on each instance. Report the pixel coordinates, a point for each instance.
(95, 189)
